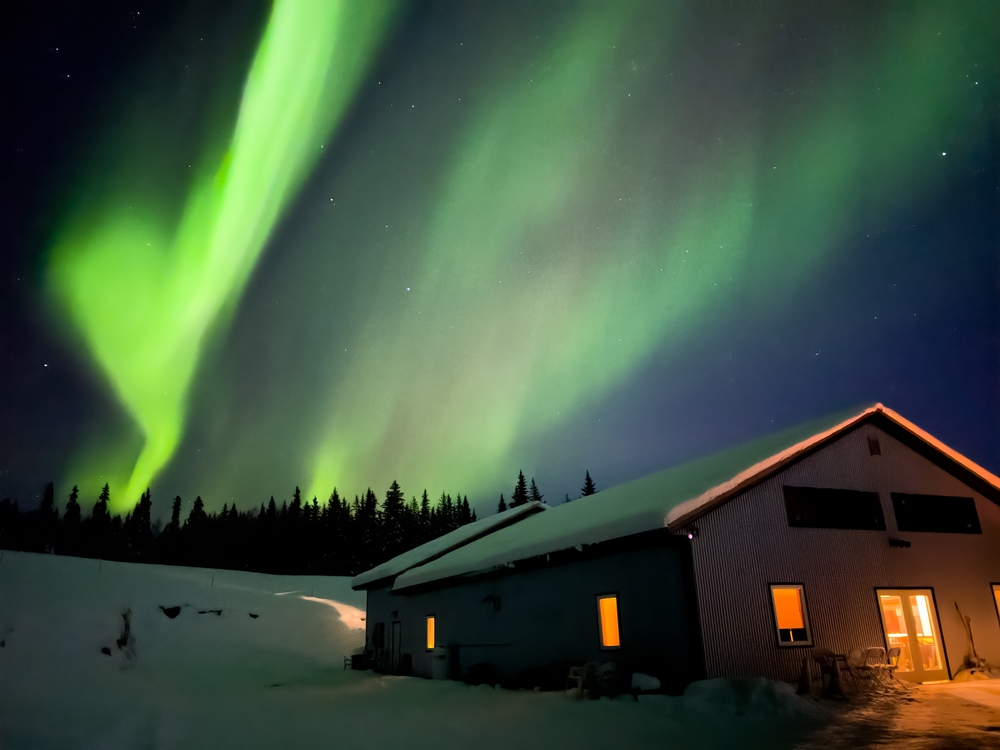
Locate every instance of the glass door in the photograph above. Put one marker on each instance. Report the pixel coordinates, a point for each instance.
(911, 625)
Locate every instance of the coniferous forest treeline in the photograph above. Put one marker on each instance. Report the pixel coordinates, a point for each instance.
(336, 537)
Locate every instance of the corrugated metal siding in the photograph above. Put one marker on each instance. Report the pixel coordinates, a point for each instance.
(549, 615)
(746, 544)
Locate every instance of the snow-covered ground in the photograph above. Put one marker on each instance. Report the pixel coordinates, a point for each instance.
(211, 680)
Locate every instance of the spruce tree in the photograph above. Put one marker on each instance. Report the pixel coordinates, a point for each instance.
(100, 514)
(197, 516)
(68, 532)
(533, 494)
(71, 518)
(588, 486)
(520, 494)
(175, 514)
(502, 506)
(138, 529)
(424, 526)
(392, 520)
(48, 507)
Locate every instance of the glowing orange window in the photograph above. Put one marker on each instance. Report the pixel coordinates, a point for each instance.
(996, 596)
(430, 632)
(607, 607)
(790, 614)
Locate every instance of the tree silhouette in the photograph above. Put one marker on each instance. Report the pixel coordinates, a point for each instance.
(588, 486)
(100, 514)
(332, 538)
(138, 532)
(175, 514)
(197, 516)
(48, 507)
(392, 520)
(520, 494)
(502, 506)
(533, 494)
(71, 518)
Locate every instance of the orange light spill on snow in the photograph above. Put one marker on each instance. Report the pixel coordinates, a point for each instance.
(788, 608)
(430, 633)
(352, 617)
(609, 621)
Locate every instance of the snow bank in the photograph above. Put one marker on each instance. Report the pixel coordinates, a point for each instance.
(753, 697)
(230, 680)
(57, 613)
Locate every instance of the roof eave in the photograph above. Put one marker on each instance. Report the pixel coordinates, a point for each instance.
(366, 585)
(909, 434)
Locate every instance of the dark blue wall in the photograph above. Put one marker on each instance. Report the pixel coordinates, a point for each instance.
(547, 620)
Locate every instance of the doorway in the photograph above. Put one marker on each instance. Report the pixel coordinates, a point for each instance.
(394, 665)
(910, 622)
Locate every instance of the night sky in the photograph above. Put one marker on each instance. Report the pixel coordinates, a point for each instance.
(247, 247)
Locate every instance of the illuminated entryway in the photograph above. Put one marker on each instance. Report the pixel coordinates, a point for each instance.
(910, 620)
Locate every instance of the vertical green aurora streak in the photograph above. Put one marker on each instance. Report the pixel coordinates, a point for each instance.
(163, 287)
(537, 292)
(584, 211)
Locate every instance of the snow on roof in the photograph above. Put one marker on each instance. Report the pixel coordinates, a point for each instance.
(446, 543)
(687, 510)
(669, 498)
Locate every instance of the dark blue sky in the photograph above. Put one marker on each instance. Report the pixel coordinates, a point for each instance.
(845, 159)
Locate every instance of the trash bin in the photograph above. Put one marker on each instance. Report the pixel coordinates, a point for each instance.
(439, 663)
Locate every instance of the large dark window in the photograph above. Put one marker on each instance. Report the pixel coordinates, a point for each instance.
(820, 508)
(940, 513)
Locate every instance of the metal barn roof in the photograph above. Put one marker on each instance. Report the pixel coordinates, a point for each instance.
(446, 543)
(676, 496)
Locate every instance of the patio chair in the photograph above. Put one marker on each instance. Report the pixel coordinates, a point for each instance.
(878, 666)
(609, 679)
(887, 669)
(855, 667)
(582, 678)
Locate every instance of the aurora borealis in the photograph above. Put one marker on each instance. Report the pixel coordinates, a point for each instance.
(443, 242)
(165, 286)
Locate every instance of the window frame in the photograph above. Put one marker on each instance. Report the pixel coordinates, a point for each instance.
(801, 587)
(600, 623)
(797, 496)
(428, 627)
(898, 498)
(937, 618)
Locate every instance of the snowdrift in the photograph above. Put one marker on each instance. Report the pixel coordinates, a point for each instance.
(214, 676)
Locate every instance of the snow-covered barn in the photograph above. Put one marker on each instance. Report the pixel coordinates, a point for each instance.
(857, 531)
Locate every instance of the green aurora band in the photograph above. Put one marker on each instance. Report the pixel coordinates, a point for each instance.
(527, 311)
(165, 286)
(580, 222)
